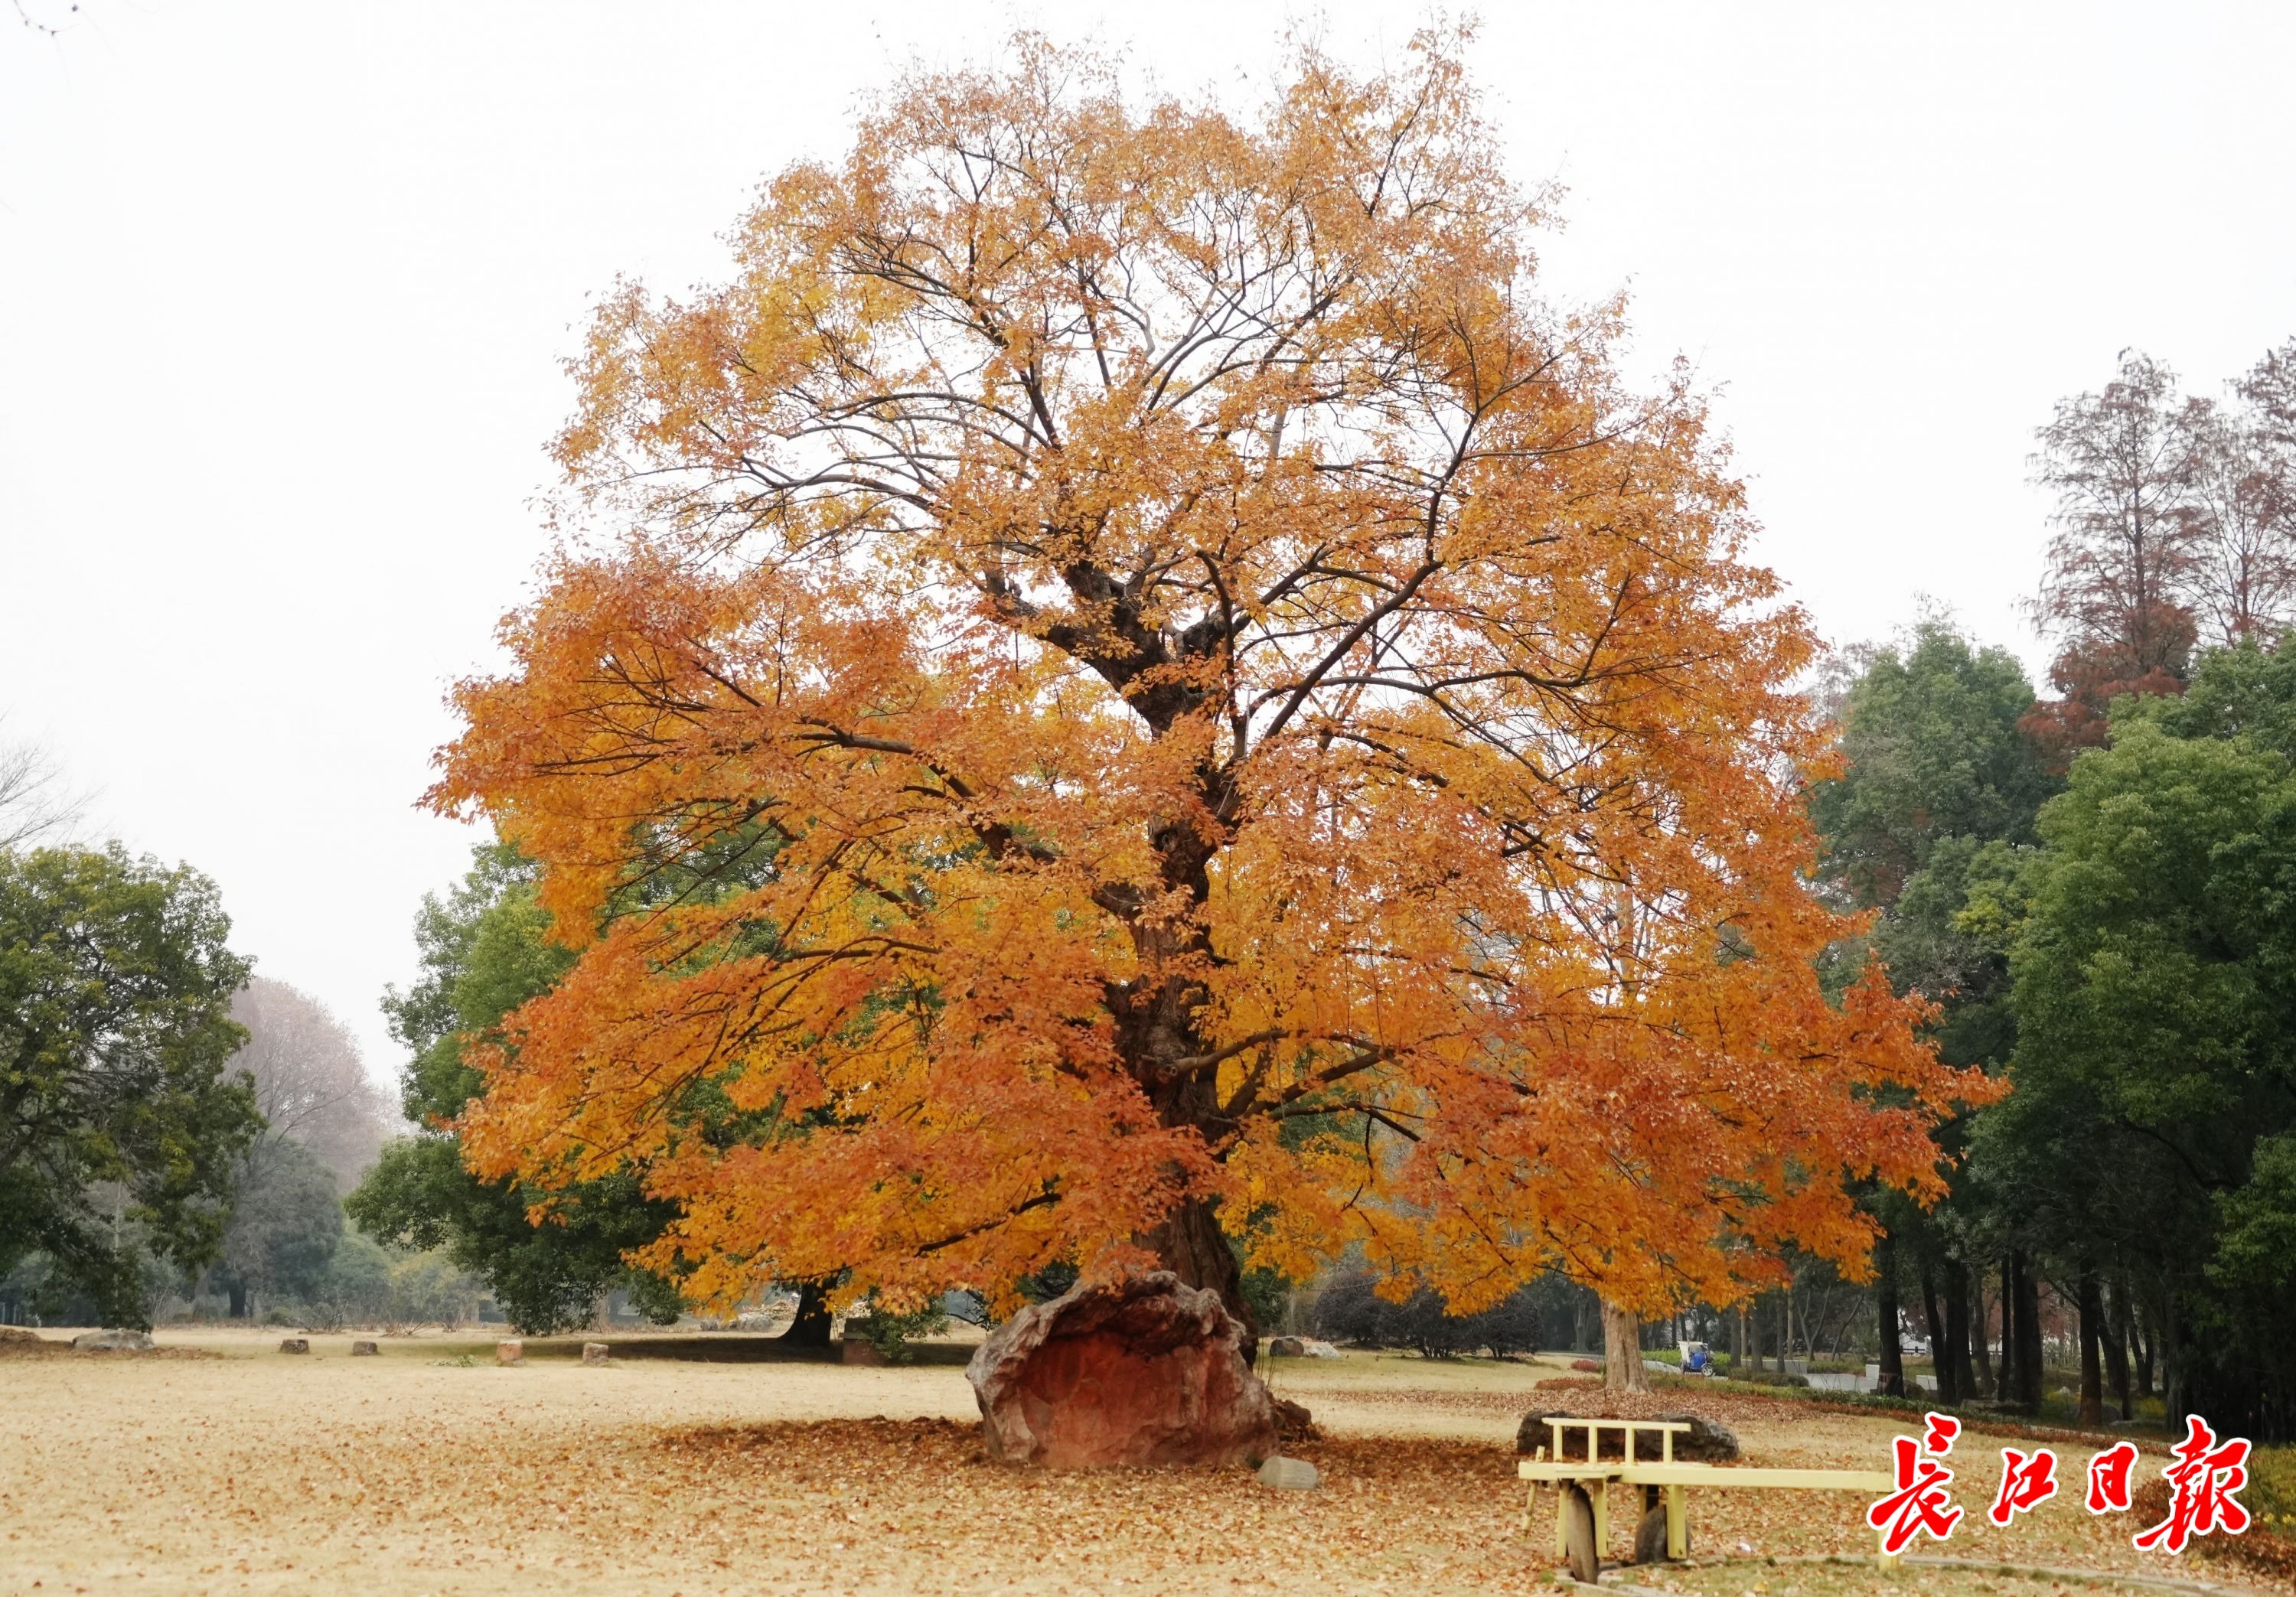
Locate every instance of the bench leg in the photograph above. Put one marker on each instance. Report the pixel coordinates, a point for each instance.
(1887, 1561)
(1677, 1523)
(1561, 1522)
(1600, 1492)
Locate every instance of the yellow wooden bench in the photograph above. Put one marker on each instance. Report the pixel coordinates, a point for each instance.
(1582, 1507)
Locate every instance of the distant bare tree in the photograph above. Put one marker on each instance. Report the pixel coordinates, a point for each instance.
(2121, 463)
(2270, 390)
(35, 805)
(309, 1081)
(2242, 517)
(2268, 393)
(2117, 593)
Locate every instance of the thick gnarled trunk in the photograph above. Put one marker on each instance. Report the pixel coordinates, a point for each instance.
(1191, 1245)
(1622, 1350)
(1157, 1034)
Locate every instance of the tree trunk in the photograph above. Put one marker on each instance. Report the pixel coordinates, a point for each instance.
(1957, 1331)
(811, 1329)
(1190, 1243)
(1738, 1343)
(1941, 1370)
(2029, 1335)
(1156, 1016)
(238, 1300)
(2092, 1338)
(1980, 1331)
(2005, 1377)
(2148, 1341)
(2167, 1341)
(1622, 1350)
(1885, 1303)
(2115, 1343)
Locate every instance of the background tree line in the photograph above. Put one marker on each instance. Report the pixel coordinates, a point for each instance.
(175, 1131)
(2096, 892)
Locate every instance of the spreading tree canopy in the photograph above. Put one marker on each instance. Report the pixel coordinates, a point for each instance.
(1148, 691)
(118, 1126)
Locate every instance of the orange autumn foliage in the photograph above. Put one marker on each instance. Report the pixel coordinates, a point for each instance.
(1149, 686)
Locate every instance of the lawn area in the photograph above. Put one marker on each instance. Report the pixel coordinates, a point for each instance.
(229, 1467)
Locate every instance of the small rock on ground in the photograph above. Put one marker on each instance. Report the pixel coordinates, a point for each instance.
(112, 1341)
(1288, 1474)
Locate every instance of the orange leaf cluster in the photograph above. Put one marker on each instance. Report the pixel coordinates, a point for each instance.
(1147, 675)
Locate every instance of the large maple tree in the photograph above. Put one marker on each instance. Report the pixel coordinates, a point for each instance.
(1145, 690)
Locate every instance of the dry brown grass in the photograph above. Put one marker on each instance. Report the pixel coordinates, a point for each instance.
(255, 1471)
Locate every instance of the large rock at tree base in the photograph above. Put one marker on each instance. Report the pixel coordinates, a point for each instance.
(1140, 1372)
(1707, 1442)
(112, 1341)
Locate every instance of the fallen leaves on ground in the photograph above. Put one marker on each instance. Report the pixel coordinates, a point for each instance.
(395, 1475)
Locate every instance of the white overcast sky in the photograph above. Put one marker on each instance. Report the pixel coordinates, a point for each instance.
(284, 289)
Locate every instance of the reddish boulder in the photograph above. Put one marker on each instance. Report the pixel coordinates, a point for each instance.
(1140, 1373)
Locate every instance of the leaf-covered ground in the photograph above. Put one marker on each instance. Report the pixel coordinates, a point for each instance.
(413, 1473)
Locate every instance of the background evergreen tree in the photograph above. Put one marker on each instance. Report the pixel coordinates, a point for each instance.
(1938, 795)
(484, 950)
